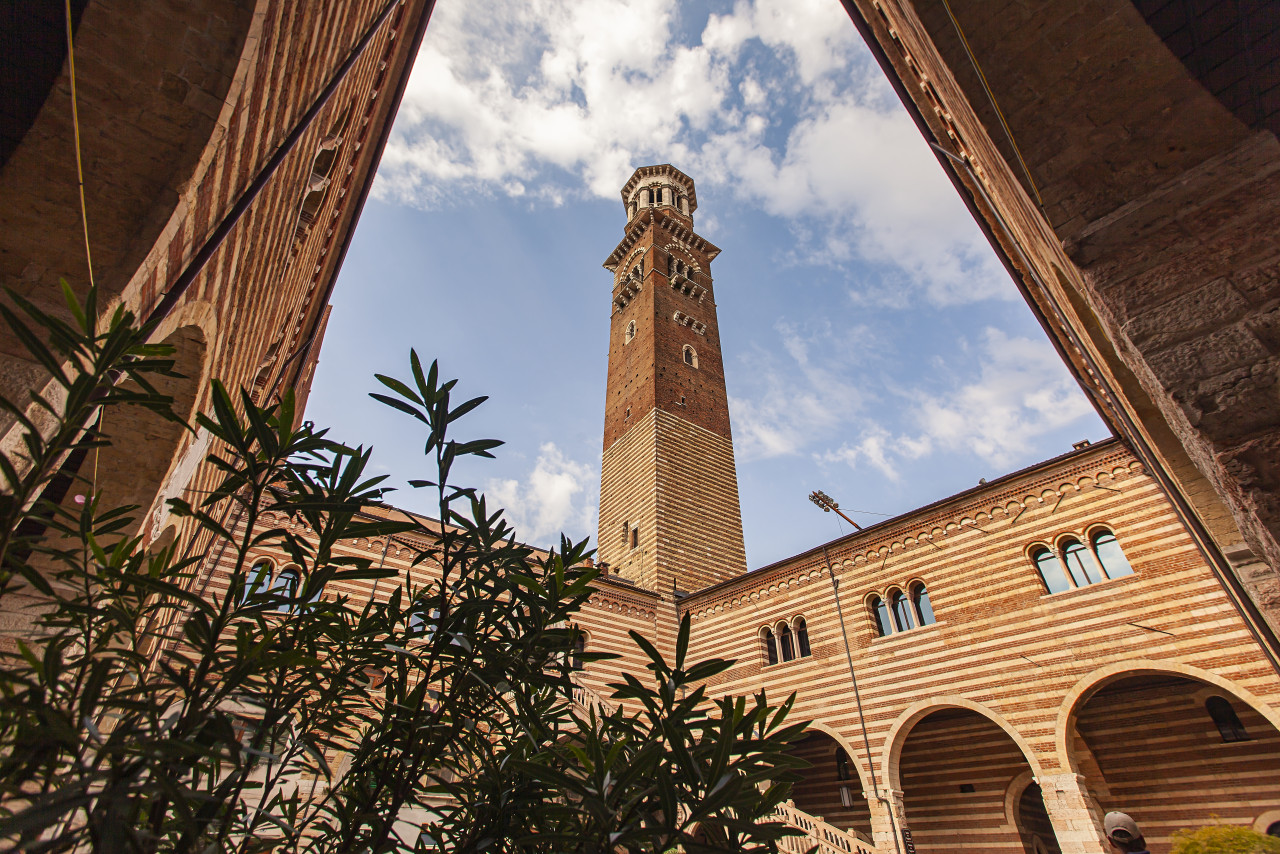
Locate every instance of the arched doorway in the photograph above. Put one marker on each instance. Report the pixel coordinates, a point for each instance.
(956, 769)
(831, 789)
(1175, 752)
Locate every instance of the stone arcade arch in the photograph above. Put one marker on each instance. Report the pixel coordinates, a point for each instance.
(956, 764)
(1145, 741)
(820, 792)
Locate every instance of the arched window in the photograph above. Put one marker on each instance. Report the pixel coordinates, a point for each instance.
(1110, 555)
(1080, 563)
(842, 764)
(1273, 829)
(258, 580)
(579, 647)
(802, 637)
(1225, 719)
(770, 648)
(921, 605)
(690, 356)
(631, 331)
(1050, 568)
(880, 612)
(901, 612)
(285, 585)
(787, 643)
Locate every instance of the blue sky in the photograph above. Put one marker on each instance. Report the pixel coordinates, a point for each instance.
(874, 347)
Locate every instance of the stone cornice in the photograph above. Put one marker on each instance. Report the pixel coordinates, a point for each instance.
(641, 222)
(1007, 497)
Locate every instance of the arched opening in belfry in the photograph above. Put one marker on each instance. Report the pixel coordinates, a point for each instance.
(956, 768)
(1175, 752)
(831, 788)
(119, 472)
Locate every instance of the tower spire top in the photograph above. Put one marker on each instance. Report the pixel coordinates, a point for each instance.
(660, 186)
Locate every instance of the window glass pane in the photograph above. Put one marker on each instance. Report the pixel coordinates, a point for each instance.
(1081, 563)
(802, 637)
(770, 648)
(1112, 556)
(924, 608)
(1051, 571)
(259, 578)
(884, 625)
(788, 649)
(285, 583)
(901, 613)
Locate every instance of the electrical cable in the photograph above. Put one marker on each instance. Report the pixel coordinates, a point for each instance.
(992, 98)
(75, 127)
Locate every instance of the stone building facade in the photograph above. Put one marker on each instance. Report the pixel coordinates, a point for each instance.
(989, 673)
(227, 147)
(1122, 157)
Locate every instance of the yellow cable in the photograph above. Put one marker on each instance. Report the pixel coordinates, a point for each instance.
(992, 98)
(75, 124)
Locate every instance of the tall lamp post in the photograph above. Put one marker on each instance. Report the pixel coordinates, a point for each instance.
(824, 501)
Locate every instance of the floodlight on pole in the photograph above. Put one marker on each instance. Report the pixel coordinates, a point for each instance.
(828, 504)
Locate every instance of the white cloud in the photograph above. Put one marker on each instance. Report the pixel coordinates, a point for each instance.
(556, 98)
(559, 495)
(1022, 392)
(793, 403)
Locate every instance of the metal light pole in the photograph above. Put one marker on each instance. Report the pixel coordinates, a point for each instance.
(824, 501)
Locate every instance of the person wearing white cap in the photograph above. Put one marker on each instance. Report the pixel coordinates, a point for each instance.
(1123, 834)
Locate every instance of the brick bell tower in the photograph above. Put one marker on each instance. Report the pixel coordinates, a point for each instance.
(669, 512)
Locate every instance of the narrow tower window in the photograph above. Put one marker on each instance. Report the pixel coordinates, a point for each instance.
(635, 537)
(921, 605)
(786, 642)
(1225, 719)
(1080, 563)
(1051, 571)
(770, 648)
(258, 579)
(880, 613)
(1110, 555)
(802, 637)
(626, 532)
(690, 356)
(901, 614)
(631, 331)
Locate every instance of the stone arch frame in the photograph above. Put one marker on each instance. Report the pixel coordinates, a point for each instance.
(1013, 794)
(855, 759)
(1268, 818)
(1089, 685)
(918, 711)
(766, 638)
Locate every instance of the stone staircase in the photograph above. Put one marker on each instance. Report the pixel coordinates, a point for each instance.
(827, 838)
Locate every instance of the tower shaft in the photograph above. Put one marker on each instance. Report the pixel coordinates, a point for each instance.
(669, 510)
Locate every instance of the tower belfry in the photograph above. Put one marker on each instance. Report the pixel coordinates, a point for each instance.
(669, 511)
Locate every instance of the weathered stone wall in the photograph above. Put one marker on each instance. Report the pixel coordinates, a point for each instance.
(1002, 647)
(1139, 214)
